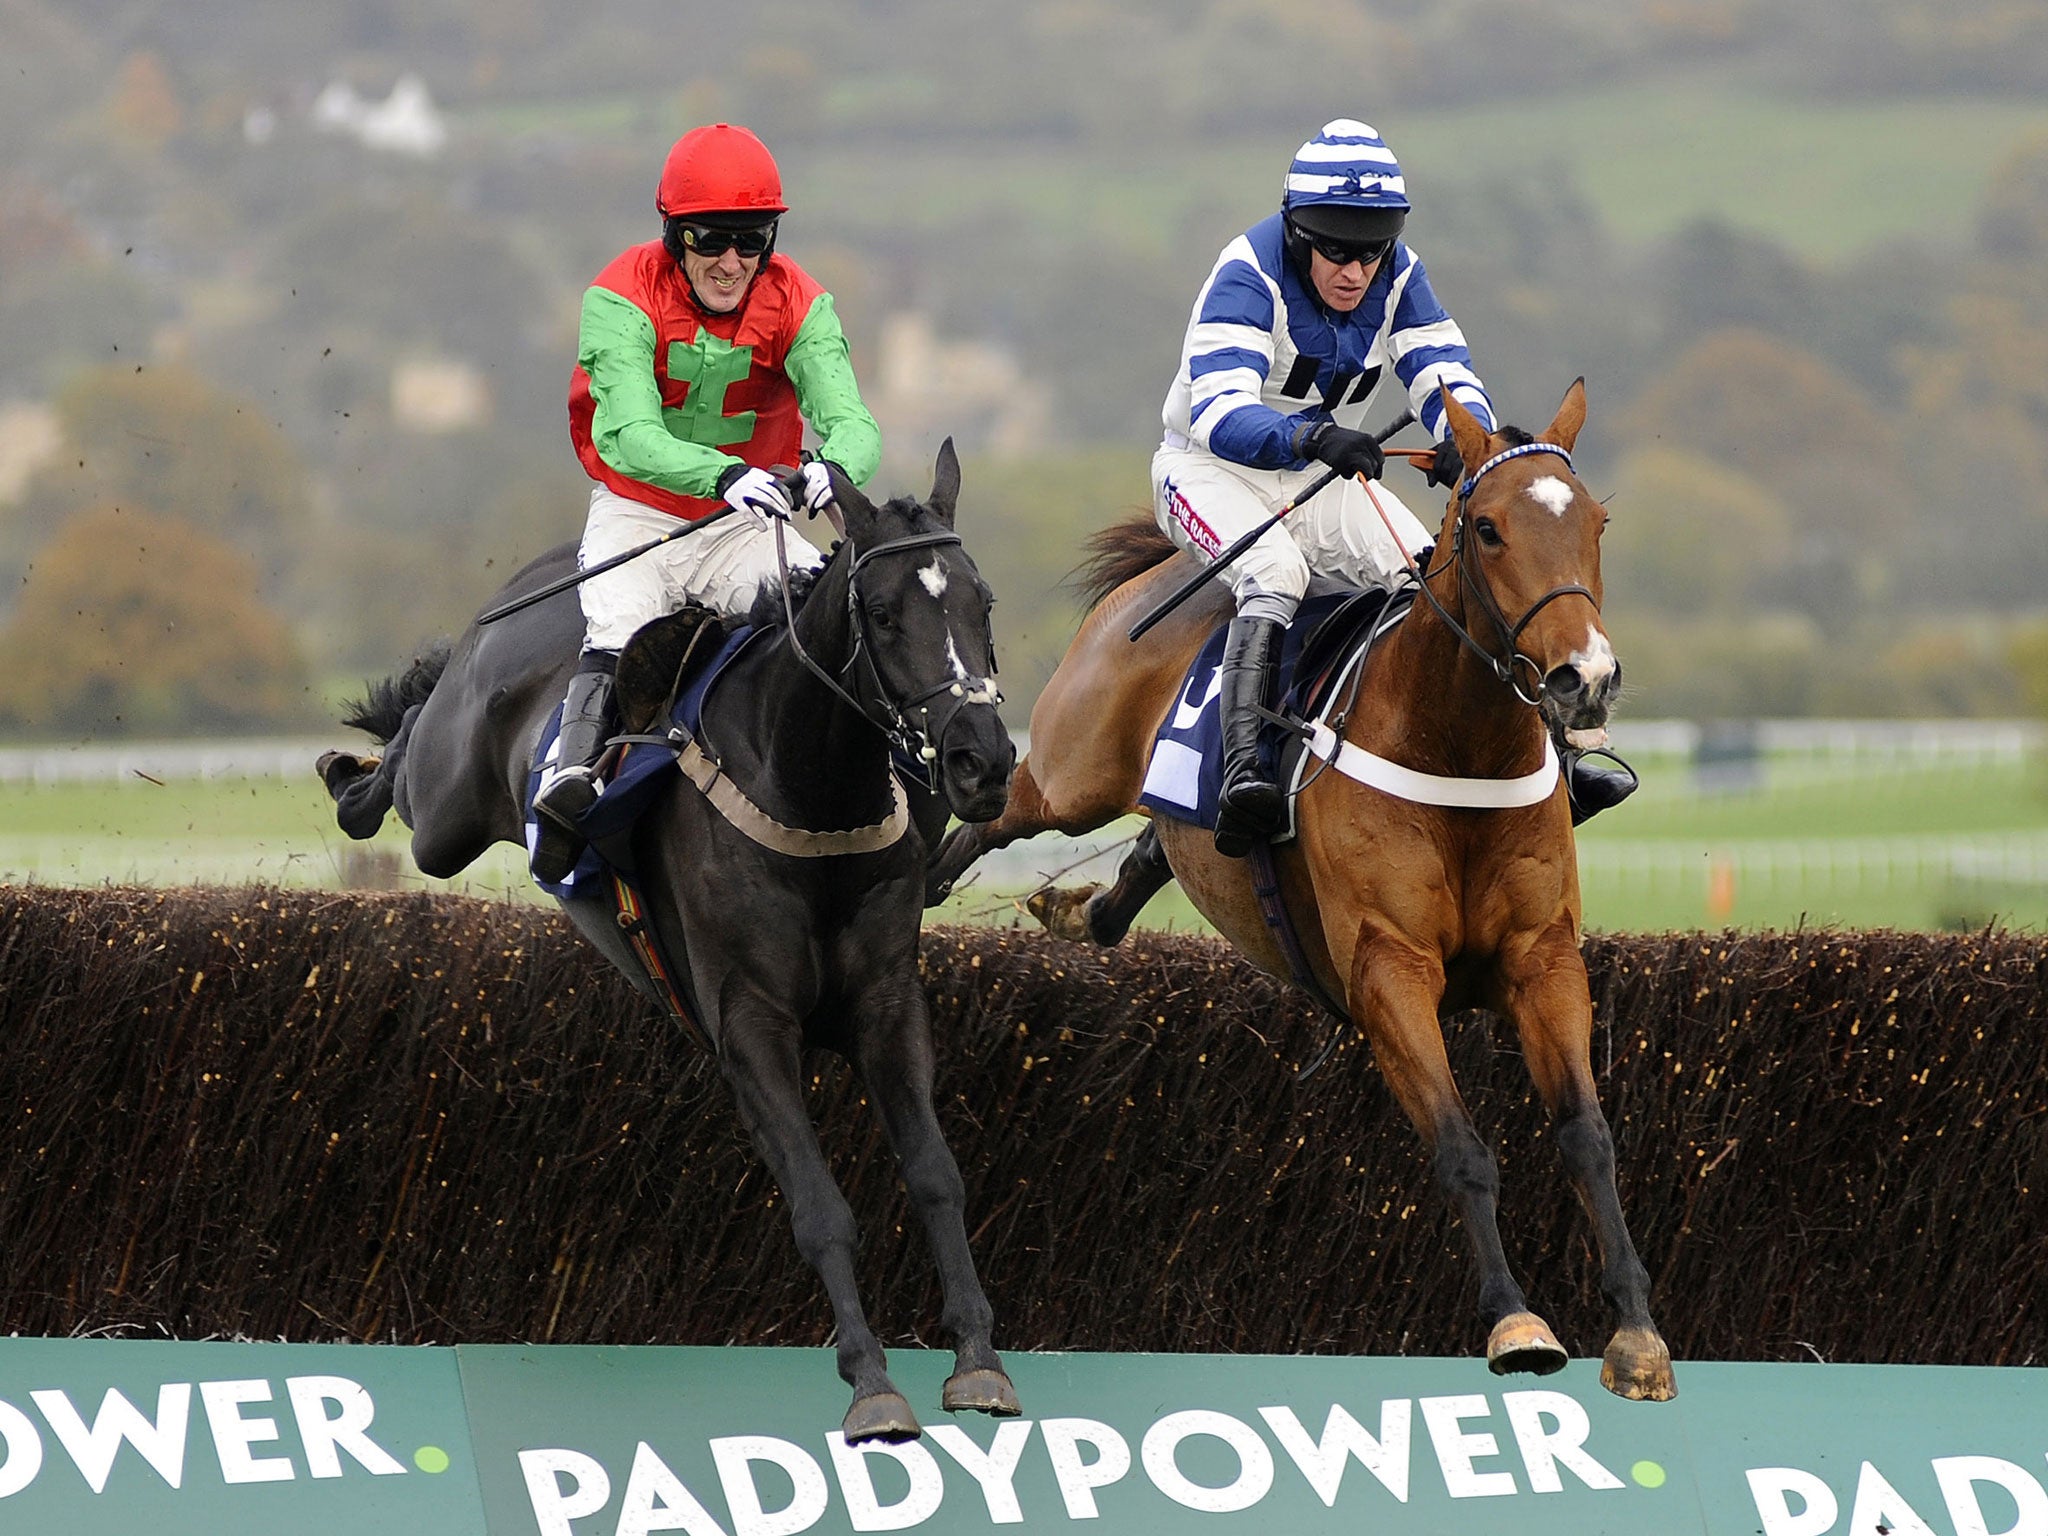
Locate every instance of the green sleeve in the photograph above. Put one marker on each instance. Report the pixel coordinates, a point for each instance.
(615, 345)
(826, 393)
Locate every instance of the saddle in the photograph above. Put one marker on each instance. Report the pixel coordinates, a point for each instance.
(664, 673)
(1332, 629)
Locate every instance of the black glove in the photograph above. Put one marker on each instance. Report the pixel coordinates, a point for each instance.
(1448, 467)
(1346, 451)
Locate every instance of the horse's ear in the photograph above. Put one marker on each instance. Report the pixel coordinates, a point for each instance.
(1466, 432)
(945, 484)
(1571, 416)
(858, 511)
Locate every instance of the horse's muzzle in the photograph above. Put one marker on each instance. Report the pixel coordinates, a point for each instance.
(1574, 703)
(976, 764)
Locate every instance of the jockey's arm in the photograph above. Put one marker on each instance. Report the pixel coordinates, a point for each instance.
(828, 395)
(615, 345)
(1429, 353)
(1227, 356)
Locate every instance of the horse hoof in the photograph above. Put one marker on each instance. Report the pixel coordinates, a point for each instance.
(1522, 1344)
(1637, 1366)
(1064, 912)
(983, 1391)
(880, 1416)
(337, 769)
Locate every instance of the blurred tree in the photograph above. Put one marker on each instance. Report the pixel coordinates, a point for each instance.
(144, 105)
(1810, 437)
(1687, 535)
(133, 622)
(164, 439)
(2027, 653)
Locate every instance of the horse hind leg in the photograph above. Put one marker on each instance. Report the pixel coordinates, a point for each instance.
(1104, 914)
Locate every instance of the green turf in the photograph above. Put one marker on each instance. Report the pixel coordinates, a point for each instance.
(1919, 848)
(1824, 178)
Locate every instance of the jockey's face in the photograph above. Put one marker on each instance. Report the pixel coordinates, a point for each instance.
(1341, 287)
(720, 282)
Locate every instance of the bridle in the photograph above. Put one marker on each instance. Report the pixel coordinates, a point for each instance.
(1509, 666)
(916, 743)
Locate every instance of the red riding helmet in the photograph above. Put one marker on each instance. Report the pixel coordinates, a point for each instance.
(720, 168)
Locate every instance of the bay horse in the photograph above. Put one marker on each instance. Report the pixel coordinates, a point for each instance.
(778, 950)
(1407, 912)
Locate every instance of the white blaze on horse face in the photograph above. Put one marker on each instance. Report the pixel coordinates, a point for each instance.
(953, 655)
(934, 578)
(1552, 494)
(1594, 661)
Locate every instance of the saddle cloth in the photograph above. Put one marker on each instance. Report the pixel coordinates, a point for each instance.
(639, 773)
(1185, 776)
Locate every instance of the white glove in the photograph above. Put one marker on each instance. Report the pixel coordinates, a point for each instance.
(758, 495)
(817, 486)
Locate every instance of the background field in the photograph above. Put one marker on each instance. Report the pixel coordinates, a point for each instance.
(1919, 827)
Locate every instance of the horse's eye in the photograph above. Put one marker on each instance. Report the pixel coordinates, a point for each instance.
(881, 617)
(1489, 535)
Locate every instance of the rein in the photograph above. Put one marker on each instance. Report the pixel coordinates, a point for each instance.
(1506, 668)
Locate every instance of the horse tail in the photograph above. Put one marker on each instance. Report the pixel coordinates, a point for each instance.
(1118, 553)
(382, 710)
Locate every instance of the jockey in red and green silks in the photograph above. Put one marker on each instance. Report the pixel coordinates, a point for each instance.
(699, 359)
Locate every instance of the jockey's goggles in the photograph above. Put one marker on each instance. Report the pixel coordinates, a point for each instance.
(1342, 253)
(706, 241)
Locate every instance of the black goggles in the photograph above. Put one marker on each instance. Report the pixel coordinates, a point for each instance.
(706, 241)
(1342, 253)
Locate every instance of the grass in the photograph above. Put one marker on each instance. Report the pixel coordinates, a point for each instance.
(1824, 178)
(1916, 848)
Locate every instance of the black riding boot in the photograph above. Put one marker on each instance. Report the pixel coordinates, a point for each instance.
(571, 786)
(1592, 790)
(1252, 807)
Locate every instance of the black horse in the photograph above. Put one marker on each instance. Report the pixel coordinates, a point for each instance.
(783, 938)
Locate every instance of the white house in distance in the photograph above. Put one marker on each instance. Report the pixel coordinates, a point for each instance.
(405, 123)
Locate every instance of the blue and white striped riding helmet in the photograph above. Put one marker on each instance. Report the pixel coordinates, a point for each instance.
(1346, 183)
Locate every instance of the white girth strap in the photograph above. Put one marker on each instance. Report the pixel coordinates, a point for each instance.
(726, 799)
(1354, 762)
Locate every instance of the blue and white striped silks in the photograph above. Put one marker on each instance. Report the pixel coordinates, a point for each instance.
(1263, 356)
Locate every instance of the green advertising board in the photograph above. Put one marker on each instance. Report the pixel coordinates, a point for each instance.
(168, 1439)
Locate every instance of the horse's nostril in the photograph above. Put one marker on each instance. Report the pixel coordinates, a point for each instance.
(1564, 682)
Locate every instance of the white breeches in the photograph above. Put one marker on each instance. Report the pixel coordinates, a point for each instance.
(723, 567)
(1204, 503)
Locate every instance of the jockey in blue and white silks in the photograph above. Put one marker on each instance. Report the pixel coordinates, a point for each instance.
(1291, 337)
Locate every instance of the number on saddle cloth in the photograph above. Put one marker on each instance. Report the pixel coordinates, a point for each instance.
(1185, 776)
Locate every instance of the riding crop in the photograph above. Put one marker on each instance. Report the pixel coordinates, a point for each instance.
(575, 578)
(1418, 457)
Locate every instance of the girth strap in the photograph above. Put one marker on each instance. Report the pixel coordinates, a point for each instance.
(1273, 908)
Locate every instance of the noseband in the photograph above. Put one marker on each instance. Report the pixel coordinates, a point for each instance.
(869, 695)
(1510, 667)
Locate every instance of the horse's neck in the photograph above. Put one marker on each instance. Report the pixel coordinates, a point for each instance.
(1434, 706)
(795, 747)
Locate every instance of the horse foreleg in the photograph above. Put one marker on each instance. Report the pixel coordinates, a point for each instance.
(896, 1065)
(759, 1058)
(1024, 815)
(1395, 990)
(1545, 994)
